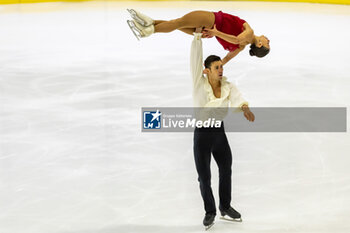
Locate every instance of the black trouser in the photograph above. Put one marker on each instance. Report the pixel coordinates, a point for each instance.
(207, 141)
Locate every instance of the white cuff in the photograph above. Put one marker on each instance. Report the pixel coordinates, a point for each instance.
(197, 36)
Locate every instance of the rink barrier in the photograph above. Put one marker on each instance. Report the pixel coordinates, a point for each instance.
(344, 2)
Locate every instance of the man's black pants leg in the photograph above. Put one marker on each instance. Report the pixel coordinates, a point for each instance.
(207, 141)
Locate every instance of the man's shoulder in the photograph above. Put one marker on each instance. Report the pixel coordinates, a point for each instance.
(225, 81)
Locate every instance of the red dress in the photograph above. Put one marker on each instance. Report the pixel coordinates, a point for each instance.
(228, 24)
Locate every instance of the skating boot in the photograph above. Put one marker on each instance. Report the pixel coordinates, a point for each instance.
(208, 220)
(140, 31)
(142, 19)
(232, 214)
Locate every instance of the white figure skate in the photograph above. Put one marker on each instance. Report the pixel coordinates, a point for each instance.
(142, 19)
(134, 29)
(140, 31)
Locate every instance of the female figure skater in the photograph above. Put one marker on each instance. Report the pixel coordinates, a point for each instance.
(231, 32)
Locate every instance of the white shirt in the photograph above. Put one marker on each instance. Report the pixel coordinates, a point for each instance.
(203, 95)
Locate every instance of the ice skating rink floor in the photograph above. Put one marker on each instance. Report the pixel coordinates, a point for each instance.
(73, 159)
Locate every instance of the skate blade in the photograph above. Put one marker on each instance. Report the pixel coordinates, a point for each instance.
(134, 29)
(208, 227)
(134, 15)
(231, 219)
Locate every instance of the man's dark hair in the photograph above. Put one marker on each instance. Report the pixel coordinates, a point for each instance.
(211, 59)
(259, 52)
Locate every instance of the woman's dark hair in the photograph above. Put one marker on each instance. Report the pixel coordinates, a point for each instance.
(259, 52)
(211, 59)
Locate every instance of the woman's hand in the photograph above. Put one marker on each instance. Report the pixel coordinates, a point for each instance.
(208, 33)
(204, 35)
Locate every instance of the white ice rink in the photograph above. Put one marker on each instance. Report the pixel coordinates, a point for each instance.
(73, 159)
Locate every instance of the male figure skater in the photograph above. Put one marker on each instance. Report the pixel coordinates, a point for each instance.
(213, 90)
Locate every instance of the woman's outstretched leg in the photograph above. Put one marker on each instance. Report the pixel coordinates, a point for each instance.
(188, 23)
(189, 31)
(194, 19)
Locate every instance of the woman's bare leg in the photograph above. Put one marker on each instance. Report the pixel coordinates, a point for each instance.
(158, 22)
(189, 31)
(194, 19)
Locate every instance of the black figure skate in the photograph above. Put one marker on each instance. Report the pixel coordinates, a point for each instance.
(230, 214)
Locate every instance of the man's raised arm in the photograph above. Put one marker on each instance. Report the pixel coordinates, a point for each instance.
(196, 58)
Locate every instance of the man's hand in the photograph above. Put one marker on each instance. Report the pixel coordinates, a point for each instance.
(247, 113)
(198, 30)
(201, 30)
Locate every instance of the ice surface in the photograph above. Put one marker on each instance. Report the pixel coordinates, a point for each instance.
(73, 159)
